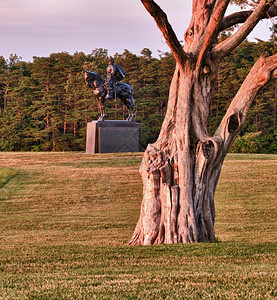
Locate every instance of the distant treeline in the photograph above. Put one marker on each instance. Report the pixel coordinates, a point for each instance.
(45, 104)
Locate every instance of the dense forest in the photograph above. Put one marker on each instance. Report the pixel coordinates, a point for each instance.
(45, 104)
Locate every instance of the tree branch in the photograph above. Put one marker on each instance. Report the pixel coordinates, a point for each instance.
(222, 49)
(241, 17)
(263, 70)
(162, 22)
(212, 29)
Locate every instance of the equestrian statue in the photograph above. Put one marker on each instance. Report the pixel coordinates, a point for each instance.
(111, 88)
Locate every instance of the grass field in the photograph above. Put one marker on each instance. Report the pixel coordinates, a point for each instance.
(65, 220)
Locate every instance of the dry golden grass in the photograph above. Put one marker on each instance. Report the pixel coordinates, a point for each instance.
(246, 199)
(65, 219)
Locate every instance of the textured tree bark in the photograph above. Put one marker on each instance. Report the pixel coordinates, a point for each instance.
(181, 169)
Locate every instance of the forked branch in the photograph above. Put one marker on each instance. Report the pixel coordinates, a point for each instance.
(163, 24)
(263, 70)
(212, 29)
(222, 49)
(241, 17)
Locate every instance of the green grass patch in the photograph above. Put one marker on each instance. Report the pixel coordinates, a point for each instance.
(102, 162)
(6, 174)
(65, 220)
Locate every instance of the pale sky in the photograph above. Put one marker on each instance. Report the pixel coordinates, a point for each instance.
(39, 27)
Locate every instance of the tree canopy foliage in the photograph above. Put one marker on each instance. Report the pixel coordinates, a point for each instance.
(45, 104)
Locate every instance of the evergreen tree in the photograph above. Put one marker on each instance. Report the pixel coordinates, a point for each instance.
(45, 105)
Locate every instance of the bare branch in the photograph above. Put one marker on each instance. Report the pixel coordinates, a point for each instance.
(162, 22)
(241, 17)
(212, 29)
(235, 18)
(263, 70)
(222, 49)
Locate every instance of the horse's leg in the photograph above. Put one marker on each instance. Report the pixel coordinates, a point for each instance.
(128, 118)
(100, 109)
(133, 111)
(104, 109)
(130, 110)
(131, 104)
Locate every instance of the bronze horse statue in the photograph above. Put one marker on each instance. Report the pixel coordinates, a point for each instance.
(121, 90)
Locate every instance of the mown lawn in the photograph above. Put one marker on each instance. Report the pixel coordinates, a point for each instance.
(65, 220)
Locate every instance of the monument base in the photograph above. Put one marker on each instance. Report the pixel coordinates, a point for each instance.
(113, 136)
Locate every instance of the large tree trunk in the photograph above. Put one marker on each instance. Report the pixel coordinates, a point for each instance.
(181, 169)
(179, 173)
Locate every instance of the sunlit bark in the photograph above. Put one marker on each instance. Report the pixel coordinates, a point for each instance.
(181, 169)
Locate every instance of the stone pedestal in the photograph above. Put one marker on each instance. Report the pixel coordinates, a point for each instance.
(113, 136)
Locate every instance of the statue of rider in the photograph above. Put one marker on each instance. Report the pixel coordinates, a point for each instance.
(114, 75)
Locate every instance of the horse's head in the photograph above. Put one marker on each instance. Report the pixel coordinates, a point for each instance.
(92, 79)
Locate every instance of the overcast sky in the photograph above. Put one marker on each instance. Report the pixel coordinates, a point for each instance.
(39, 27)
